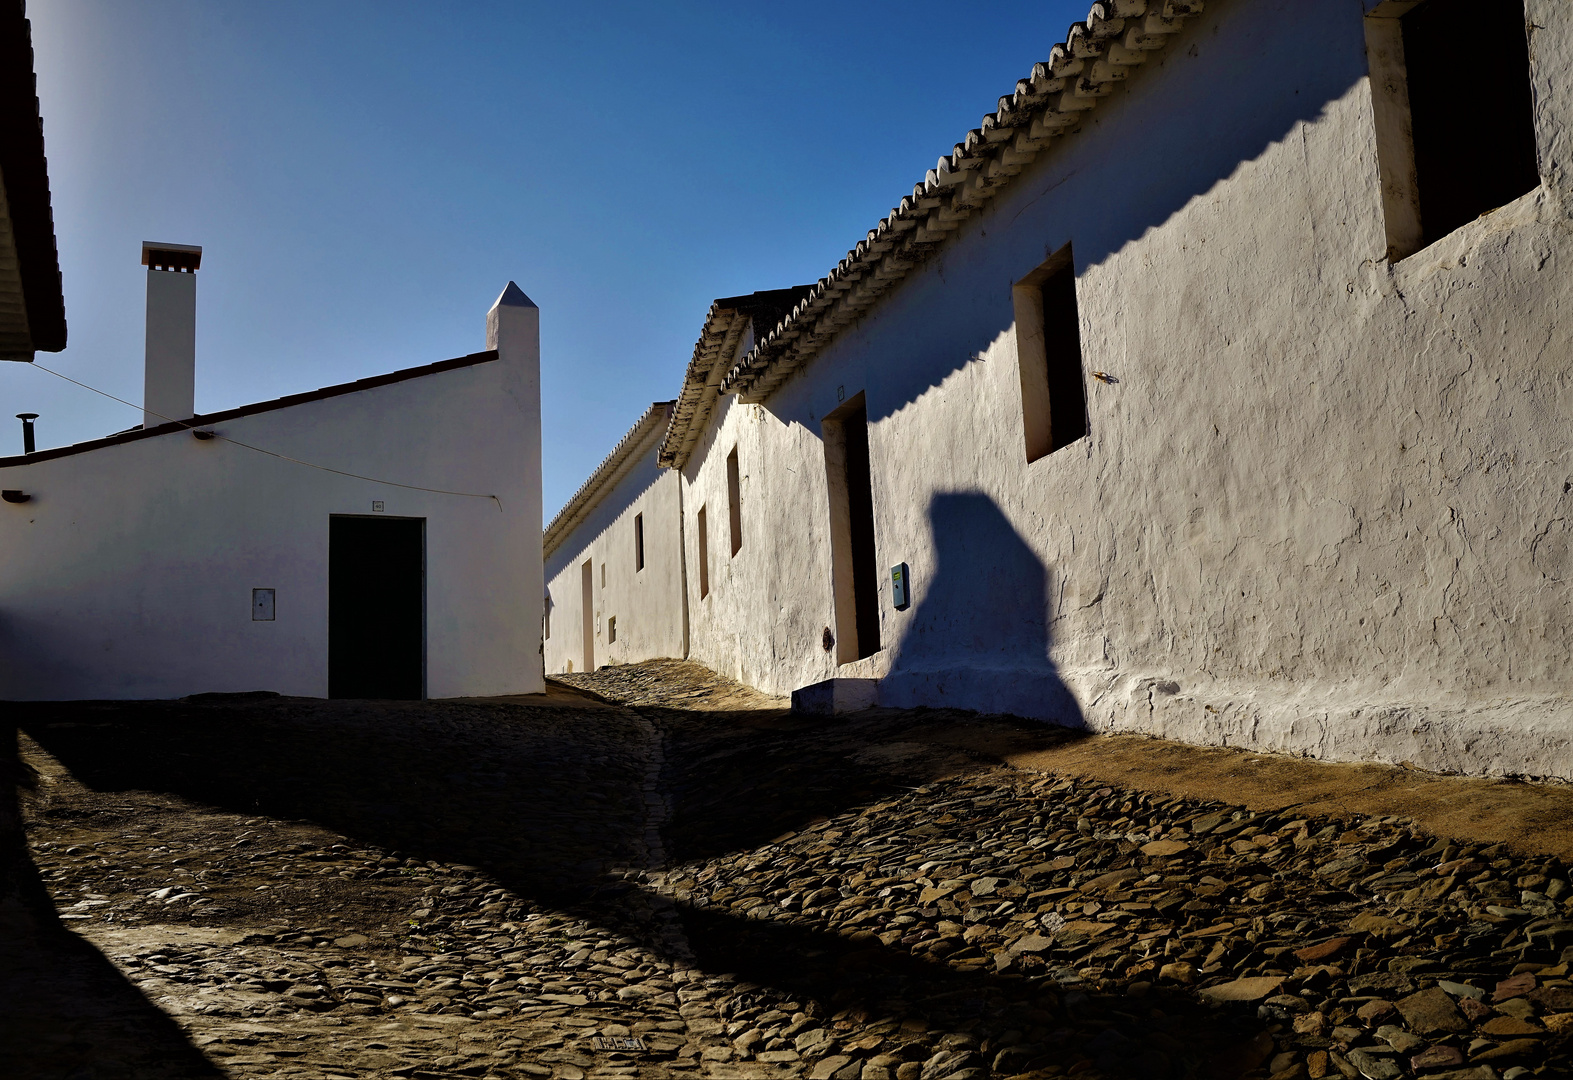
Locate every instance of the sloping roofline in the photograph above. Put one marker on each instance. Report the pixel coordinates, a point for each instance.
(579, 505)
(25, 172)
(251, 410)
(727, 321)
(1095, 57)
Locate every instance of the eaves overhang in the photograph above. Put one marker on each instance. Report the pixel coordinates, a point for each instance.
(32, 301)
(606, 475)
(728, 325)
(1097, 55)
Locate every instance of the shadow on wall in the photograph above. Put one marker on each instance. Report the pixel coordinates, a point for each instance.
(1240, 81)
(980, 634)
(614, 503)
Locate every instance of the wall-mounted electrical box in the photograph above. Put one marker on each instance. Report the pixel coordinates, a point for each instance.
(261, 605)
(899, 594)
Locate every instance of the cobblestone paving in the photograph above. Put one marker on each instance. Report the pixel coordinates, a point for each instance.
(690, 882)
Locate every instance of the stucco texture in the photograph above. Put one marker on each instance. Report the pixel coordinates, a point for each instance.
(1323, 508)
(1323, 504)
(129, 572)
(647, 603)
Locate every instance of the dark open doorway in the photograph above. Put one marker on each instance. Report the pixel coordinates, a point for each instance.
(376, 608)
(854, 571)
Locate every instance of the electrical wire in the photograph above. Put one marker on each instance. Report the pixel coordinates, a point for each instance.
(269, 453)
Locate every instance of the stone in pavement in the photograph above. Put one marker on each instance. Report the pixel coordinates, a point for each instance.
(1436, 1057)
(1431, 1011)
(752, 894)
(1251, 989)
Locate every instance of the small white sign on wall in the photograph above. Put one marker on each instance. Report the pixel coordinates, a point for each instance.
(261, 605)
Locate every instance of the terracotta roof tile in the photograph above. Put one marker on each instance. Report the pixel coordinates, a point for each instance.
(1096, 56)
(579, 505)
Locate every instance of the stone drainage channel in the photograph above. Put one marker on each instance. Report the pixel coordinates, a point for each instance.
(706, 886)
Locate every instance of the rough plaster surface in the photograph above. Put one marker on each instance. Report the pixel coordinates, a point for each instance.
(648, 603)
(129, 573)
(1323, 509)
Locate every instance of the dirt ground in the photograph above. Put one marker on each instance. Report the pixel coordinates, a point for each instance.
(1531, 818)
(261, 886)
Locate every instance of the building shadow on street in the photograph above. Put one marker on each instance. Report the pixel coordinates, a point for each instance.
(66, 1012)
(551, 803)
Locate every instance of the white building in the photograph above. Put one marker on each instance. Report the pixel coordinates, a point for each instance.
(614, 563)
(375, 539)
(1213, 387)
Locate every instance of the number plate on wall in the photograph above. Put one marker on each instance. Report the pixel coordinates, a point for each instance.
(261, 605)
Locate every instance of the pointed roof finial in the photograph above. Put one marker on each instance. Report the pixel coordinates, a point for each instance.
(513, 296)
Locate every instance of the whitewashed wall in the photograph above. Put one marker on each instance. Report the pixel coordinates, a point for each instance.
(1323, 510)
(648, 603)
(129, 572)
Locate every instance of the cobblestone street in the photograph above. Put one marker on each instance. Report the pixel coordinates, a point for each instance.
(669, 875)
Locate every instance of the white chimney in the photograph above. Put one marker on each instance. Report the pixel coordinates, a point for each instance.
(169, 391)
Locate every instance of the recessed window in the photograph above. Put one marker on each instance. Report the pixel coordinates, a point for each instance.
(1454, 112)
(853, 564)
(1048, 356)
(587, 613)
(546, 620)
(603, 575)
(638, 541)
(611, 629)
(734, 501)
(704, 555)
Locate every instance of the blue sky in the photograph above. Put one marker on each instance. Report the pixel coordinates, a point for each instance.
(364, 179)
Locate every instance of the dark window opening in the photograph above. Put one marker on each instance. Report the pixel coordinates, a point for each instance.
(1475, 137)
(1454, 114)
(704, 555)
(1048, 354)
(638, 541)
(853, 567)
(734, 501)
(376, 608)
(611, 630)
(587, 612)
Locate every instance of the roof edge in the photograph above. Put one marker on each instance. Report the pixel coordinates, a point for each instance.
(370, 383)
(581, 502)
(1096, 56)
(24, 170)
(718, 341)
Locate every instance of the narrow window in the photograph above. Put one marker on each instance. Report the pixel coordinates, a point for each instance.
(1452, 144)
(546, 619)
(638, 541)
(704, 556)
(603, 575)
(734, 502)
(587, 609)
(611, 629)
(1048, 356)
(854, 579)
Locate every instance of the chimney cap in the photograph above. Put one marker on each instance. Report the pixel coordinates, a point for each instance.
(187, 257)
